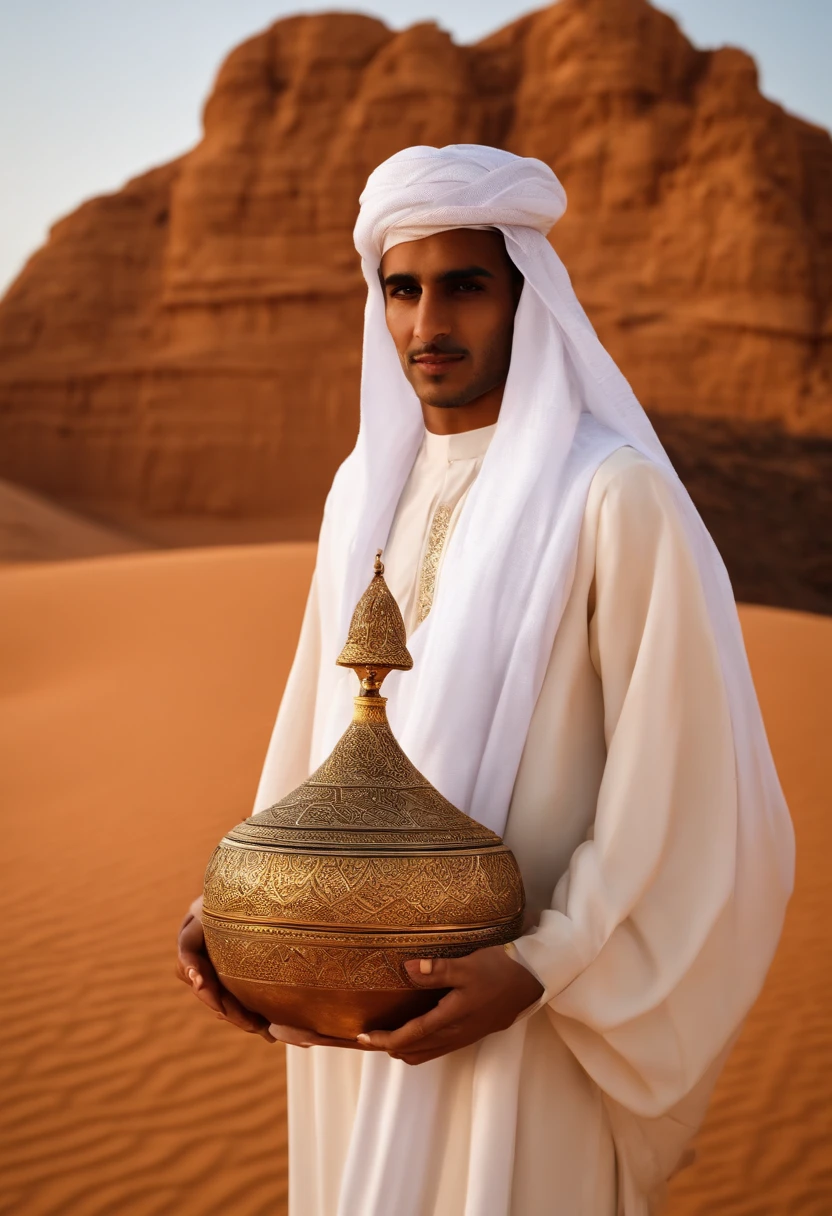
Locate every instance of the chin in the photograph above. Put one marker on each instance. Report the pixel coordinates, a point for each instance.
(456, 402)
(444, 397)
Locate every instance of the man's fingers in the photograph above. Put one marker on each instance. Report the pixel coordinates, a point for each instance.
(194, 967)
(210, 993)
(192, 935)
(226, 1006)
(295, 1036)
(438, 972)
(189, 965)
(424, 1057)
(238, 1015)
(193, 964)
(196, 971)
(413, 1033)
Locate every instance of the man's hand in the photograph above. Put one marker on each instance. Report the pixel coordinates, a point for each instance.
(488, 990)
(296, 1036)
(194, 968)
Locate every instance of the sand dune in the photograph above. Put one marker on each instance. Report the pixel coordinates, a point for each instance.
(765, 1147)
(34, 529)
(136, 695)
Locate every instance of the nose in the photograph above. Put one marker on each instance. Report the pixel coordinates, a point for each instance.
(433, 317)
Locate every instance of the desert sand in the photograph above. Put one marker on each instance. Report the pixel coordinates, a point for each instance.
(137, 694)
(33, 529)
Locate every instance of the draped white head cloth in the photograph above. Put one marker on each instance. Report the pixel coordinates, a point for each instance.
(482, 652)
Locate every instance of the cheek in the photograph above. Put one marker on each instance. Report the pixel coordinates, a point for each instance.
(490, 334)
(399, 327)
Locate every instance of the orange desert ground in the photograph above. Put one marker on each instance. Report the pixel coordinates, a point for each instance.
(138, 691)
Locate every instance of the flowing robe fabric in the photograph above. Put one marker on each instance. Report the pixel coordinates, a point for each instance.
(625, 796)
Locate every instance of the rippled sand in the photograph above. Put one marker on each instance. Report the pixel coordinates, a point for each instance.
(137, 693)
(766, 1146)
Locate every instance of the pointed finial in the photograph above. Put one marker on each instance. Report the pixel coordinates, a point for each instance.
(377, 638)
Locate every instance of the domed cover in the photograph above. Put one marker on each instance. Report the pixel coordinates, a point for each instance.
(377, 636)
(365, 793)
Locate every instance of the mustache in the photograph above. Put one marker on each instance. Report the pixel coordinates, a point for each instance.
(435, 348)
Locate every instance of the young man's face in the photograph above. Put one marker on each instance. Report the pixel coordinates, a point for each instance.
(450, 301)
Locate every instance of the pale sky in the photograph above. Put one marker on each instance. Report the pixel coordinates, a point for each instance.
(93, 92)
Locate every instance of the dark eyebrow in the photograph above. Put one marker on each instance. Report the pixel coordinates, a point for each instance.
(398, 280)
(467, 272)
(448, 276)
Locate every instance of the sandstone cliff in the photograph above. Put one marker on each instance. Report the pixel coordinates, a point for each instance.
(190, 345)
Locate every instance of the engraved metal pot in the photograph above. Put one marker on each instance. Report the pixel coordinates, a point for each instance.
(312, 907)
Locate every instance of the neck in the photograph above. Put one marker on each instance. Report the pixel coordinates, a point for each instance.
(456, 419)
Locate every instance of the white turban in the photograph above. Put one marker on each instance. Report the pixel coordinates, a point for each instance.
(480, 656)
(425, 190)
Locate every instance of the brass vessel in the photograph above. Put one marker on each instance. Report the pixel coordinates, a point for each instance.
(312, 907)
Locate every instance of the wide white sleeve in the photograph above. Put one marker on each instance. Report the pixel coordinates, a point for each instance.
(288, 757)
(638, 952)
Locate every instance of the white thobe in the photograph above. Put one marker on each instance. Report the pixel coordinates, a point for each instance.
(601, 1084)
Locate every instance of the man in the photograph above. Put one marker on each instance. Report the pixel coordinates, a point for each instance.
(579, 686)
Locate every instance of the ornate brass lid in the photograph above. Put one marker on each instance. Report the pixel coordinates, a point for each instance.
(376, 636)
(367, 795)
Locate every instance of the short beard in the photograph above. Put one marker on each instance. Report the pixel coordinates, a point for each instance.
(493, 375)
(466, 396)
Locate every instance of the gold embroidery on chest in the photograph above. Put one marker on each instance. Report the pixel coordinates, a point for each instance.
(433, 553)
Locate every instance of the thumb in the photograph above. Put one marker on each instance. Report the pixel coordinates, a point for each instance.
(436, 972)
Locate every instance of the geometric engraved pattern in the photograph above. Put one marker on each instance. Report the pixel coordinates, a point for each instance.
(366, 784)
(376, 636)
(273, 955)
(383, 892)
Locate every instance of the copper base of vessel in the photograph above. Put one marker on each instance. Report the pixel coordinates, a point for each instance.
(338, 1015)
(335, 983)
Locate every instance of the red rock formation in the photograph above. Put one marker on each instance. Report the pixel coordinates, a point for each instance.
(191, 344)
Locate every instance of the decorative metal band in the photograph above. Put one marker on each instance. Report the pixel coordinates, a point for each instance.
(351, 933)
(370, 709)
(370, 844)
(436, 935)
(381, 892)
(273, 956)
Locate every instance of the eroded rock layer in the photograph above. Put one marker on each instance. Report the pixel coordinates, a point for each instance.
(191, 344)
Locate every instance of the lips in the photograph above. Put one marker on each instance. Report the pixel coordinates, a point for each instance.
(435, 365)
